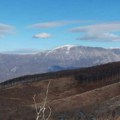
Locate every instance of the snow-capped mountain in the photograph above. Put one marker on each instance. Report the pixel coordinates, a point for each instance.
(64, 57)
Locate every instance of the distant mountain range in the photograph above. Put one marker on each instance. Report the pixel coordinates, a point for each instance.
(60, 58)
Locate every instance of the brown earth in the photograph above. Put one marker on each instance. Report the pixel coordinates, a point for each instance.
(68, 98)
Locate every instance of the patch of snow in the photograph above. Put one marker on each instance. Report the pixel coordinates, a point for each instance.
(14, 69)
(67, 47)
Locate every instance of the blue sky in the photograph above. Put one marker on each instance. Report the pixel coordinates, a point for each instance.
(45, 24)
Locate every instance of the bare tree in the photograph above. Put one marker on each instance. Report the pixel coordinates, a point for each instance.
(41, 109)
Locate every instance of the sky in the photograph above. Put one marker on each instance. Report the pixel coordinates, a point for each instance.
(46, 24)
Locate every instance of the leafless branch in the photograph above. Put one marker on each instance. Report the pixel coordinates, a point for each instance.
(42, 108)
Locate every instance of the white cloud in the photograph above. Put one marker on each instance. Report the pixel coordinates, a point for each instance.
(53, 24)
(6, 29)
(42, 36)
(99, 32)
(100, 36)
(98, 27)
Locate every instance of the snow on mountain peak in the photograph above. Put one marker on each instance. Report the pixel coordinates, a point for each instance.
(66, 47)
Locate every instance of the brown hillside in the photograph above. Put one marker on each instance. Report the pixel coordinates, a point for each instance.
(73, 95)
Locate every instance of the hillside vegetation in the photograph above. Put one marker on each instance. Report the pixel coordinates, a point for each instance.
(83, 94)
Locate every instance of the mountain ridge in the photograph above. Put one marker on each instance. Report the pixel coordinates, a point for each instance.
(82, 94)
(79, 74)
(12, 65)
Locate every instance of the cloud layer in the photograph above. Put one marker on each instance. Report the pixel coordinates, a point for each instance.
(42, 36)
(5, 29)
(52, 24)
(99, 32)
